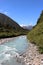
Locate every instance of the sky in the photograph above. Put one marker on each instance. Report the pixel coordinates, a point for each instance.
(24, 12)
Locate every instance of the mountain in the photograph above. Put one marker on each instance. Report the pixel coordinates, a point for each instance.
(9, 28)
(36, 34)
(28, 27)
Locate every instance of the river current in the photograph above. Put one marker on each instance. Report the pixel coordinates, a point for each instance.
(10, 49)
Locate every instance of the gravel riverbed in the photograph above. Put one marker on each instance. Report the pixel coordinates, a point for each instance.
(30, 57)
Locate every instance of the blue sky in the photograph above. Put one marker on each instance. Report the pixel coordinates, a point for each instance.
(24, 12)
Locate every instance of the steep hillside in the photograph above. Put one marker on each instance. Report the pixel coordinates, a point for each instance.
(36, 34)
(9, 28)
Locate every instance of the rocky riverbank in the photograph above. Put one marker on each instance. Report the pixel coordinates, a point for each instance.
(31, 56)
(5, 40)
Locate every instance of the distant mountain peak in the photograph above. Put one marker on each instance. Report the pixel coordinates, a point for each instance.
(28, 27)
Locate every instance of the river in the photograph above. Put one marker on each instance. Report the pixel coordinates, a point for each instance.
(10, 49)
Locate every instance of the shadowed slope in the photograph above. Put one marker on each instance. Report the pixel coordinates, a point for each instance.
(9, 28)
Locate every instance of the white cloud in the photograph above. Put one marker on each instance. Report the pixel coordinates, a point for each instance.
(26, 25)
(5, 12)
(22, 25)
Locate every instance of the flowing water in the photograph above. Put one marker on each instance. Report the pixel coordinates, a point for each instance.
(10, 49)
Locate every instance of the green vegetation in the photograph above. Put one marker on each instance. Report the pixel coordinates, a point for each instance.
(36, 34)
(9, 28)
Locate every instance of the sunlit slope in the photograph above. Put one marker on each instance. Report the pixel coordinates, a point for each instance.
(36, 34)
